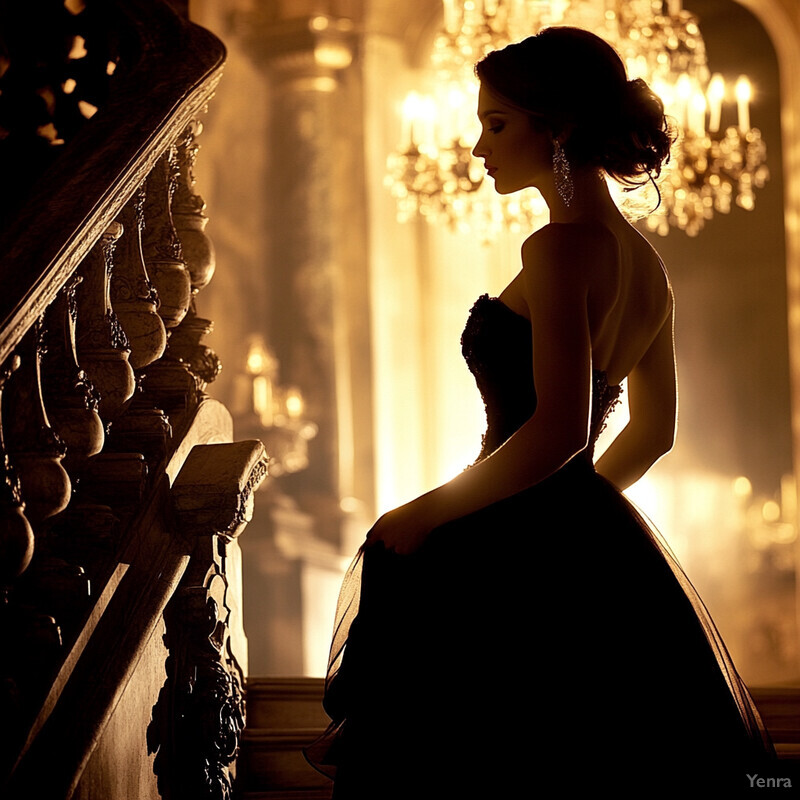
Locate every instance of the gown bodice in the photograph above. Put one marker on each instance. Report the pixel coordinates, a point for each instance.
(498, 348)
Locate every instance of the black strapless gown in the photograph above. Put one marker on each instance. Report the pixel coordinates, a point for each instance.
(546, 645)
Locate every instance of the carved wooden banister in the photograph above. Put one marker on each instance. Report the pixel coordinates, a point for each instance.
(109, 501)
(174, 71)
(208, 510)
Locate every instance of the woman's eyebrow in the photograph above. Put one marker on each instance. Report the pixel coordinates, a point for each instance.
(489, 111)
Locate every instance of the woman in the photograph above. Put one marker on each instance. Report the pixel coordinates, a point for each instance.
(521, 628)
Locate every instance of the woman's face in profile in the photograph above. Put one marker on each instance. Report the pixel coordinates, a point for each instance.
(516, 151)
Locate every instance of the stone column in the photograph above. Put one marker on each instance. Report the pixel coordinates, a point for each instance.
(304, 58)
(315, 321)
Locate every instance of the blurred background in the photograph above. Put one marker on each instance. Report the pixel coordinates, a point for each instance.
(352, 240)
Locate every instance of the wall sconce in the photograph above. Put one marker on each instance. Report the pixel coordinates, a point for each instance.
(274, 413)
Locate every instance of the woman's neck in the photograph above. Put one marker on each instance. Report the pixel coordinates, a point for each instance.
(591, 200)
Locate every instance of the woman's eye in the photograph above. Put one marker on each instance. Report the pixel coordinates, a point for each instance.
(496, 128)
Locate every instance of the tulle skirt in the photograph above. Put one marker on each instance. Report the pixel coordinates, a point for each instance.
(547, 643)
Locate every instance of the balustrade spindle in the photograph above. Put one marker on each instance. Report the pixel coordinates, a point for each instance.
(70, 399)
(31, 638)
(133, 296)
(198, 254)
(188, 212)
(183, 259)
(161, 245)
(185, 345)
(35, 449)
(16, 534)
(101, 343)
(142, 429)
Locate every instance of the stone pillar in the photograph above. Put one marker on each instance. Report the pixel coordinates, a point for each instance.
(304, 58)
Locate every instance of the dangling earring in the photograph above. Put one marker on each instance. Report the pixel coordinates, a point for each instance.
(562, 174)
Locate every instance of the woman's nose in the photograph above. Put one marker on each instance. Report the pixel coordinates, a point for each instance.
(479, 151)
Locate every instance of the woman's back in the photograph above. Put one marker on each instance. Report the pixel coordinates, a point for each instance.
(601, 275)
(630, 299)
(626, 324)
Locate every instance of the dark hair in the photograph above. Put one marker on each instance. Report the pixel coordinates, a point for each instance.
(572, 78)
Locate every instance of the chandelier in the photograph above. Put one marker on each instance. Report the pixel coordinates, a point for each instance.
(434, 176)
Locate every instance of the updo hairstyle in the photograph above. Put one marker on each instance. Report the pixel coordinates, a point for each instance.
(569, 77)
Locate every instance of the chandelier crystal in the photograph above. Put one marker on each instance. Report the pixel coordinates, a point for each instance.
(433, 174)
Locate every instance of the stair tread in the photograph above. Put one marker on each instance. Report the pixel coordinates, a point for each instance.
(256, 731)
(284, 703)
(286, 714)
(289, 794)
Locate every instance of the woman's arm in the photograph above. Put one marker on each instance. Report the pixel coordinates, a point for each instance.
(556, 285)
(653, 406)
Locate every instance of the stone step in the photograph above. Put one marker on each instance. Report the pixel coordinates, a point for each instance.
(285, 703)
(284, 715)
(779, 707)
(279, 794)
(273, 759)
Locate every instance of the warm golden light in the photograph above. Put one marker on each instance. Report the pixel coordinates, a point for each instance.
(332, 56)
(742, 487)
(294, 403)
(716, 94)
(279, 410)
(255, 361)
(419, 121)
(744, 89)
(413, 106)
(744, 94)
(771, 511)
(697, 113)
(262, 398)
(78, 49)
(683, 88)
(432, 175)
(789, 497)
(87, 109)
(260, 360)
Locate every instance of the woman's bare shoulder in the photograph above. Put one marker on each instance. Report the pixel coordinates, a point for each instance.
(572, 250)
(649, 261)
(579, 238)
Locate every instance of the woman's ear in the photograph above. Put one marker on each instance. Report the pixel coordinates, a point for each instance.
(564, 132)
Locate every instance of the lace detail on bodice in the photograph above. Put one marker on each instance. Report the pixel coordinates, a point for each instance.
(497, 347)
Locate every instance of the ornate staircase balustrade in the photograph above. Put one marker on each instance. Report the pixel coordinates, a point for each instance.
(121, 491)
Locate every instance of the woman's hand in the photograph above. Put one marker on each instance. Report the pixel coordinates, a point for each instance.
(404, 529)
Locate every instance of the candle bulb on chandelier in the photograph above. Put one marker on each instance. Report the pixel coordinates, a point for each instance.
(697, 113)
(262, 399)
(683, 95)
(716, 94)
(743, 95)
(294, 403)
(409, 115)
(674, 7)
